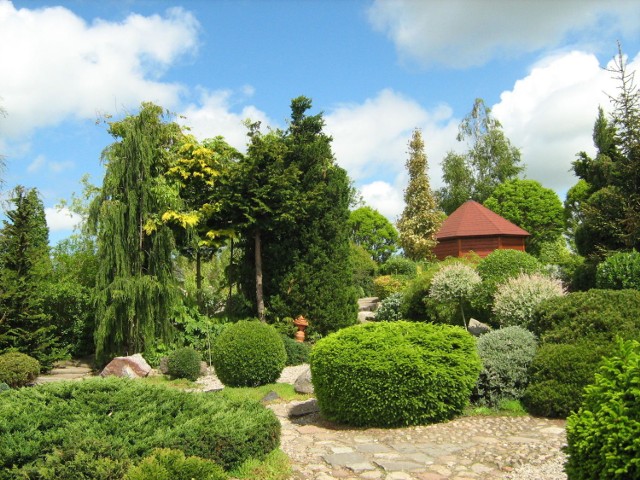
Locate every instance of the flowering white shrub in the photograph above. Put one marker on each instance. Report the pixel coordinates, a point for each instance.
(517, 298)
(454, 283)
(389, 309)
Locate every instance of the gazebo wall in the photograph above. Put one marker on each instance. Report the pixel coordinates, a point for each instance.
(483, 246)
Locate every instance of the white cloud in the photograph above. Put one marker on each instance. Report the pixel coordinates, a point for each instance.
(56, 66)
(37, 164)
(370, 141)
(550, 113)
(61, 219)
(213, 116)
(463, 33)
(385, 198)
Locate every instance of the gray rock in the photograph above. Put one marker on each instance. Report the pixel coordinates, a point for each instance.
(478, 328)
(303, 382)
(133, 366)
(304, 408)
(270, 397)
(163, 366)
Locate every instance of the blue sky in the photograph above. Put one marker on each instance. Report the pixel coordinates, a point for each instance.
(377, 69)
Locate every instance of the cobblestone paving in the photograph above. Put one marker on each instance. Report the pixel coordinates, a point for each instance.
(465, 448)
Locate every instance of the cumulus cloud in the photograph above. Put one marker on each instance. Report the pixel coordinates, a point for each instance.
(61, 219)
(57, 66)
(385, 198)
(214, 116)
(462, 33)
(550, 113)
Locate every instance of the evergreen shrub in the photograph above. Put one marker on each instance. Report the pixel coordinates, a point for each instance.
(248, 354)
(397, 265)
(506, 355)
(18, 369)
(184, 363)
(4, 387)
(99, 428)
(619, 271)
(576, 331)
(517, 298)
(389, 309)
(167, 464)
(297, 352)
(603, 436)
(394, 373)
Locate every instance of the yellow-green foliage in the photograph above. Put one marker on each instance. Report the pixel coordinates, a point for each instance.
(394, 373)
(386, 285)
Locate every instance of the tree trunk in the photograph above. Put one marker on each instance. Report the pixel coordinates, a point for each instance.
(199, 280)
(259, 294)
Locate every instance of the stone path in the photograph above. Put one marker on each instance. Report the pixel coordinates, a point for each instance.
(69, 370)
(465, 448)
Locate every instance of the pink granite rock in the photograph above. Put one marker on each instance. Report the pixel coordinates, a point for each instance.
(133, 366)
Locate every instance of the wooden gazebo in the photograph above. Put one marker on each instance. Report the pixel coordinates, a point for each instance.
(475, 228)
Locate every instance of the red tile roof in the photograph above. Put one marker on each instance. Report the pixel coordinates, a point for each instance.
(473, 220)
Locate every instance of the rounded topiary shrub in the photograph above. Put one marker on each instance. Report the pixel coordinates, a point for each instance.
(297, 352)
(99, 428)
(517, 298)
(398, 265)
(619, 271)
(248, 354)
(602, 436)
(394, 373)
(506, 355)
(502, 264)
(184, 363)
(18, 369)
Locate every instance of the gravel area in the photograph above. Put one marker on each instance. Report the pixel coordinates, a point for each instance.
(289, 375)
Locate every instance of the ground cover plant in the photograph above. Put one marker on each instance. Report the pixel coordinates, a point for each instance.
(394, 373)
(101, 428)
(576, 331)
(248, 354)
(603, 436)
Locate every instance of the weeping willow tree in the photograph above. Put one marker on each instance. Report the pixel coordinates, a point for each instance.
(136, 293)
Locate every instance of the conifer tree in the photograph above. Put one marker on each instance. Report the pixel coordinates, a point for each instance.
(136, 293)
(25, 267)
(421, 219)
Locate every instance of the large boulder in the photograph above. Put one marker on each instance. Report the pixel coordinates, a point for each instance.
(477, 328)
(303, 382)
(133, 366)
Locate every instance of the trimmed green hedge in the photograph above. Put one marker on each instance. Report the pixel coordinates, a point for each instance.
(248, 354)
(99, 428)
(603, 437)
(297, 352)
(184, 363)
(576, 331)
(394, 373)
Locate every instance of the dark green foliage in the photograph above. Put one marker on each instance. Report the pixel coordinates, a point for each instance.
(99, 428)
(576, 331)
(394, 373)
(506, 355)
(18, 369)
(248, 354)
(4, 387)
(166, 464)
(364, 270)
(25, 268)
(184, 363)
(529, 205)
(297, 352)
(136, 294)
(584, 276)
(603, 436)
(372, 231)
(398, 265)
(619, 271)
(494, 269)
(390, 308)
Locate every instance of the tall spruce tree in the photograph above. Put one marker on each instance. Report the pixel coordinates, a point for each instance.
(136, 293)
(24, 268)
(421, 219)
